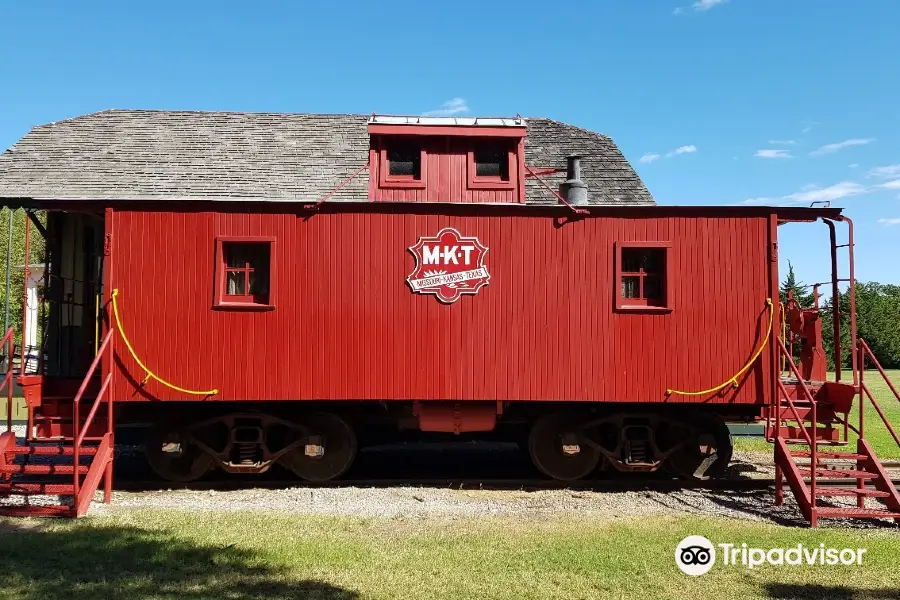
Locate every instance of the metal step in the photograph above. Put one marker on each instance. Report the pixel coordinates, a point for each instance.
(68, 441)
(819, 442)
(862, 513)
(851, 492)
(829, 455)
(37, 487)
(835, 473)
(43, 469)
(53, 510)
(52, 450)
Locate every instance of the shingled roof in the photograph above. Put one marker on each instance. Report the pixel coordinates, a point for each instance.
(186, 155)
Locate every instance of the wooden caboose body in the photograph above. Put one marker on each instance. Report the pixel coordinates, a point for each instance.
(268, 289)
(340, 322)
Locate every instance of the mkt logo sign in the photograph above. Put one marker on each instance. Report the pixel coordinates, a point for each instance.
(696, 555)
(448, 265)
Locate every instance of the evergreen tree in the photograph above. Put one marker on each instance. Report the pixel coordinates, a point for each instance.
(797, 290)
(877, 322)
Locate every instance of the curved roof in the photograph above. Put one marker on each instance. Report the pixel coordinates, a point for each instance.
(186, 155)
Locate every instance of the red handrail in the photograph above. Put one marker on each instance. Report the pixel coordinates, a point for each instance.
(76, 404)
(9, 341)
(863, 352)
(810, 439)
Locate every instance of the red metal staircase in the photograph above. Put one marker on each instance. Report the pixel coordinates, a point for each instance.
(803, 423)
(69, 463)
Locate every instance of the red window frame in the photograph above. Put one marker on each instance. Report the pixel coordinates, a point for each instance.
(642, 304)
(386, 180)
(244, 301)
(493, 182)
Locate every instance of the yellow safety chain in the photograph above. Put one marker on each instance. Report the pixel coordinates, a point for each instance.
(150, 374)
(734, 380)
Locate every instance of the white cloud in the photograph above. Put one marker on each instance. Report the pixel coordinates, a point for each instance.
(773, 153)
(810, 194)
(649, 157)
(704, 5)
(783, 142)
(853, 166)
(451, 107)
(885, 172)
(890, 185)
(808, 125)
(831, 148)
(837, 191)
(891, 221)
(682, 150)
(699, 6)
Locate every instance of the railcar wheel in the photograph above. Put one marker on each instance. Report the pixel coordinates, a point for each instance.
(326, 452)
(559, 449)
(173, 456)
(706, 452)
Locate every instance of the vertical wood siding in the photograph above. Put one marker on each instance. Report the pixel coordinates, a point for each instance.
(446, 176)
(346, 325)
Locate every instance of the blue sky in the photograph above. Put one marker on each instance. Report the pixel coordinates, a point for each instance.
(713, 101)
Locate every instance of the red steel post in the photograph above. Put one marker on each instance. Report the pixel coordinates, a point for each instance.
(778, 317)
(110, 432)
(22, 361)
(835, 301)
(107, 367)
(10, 340)
(850, 247)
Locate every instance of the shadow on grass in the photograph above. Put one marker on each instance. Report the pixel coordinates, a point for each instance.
(94, 562)
(755, 503)
(813, 591)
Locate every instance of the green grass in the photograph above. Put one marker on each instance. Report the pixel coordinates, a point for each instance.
(188, 556)
(877, 434)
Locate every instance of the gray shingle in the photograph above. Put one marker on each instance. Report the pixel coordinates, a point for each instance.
(609, 176)
(184, 155)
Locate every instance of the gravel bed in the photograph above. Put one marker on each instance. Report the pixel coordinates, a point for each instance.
(428, 502)
(751, 465)
(436, 502)
(417, 501)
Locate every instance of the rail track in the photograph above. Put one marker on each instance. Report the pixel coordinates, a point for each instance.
(621, 484)
(451, 483)
(500, 467)
(636, 485)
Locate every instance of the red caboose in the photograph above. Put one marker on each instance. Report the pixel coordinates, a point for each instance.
(271, 288)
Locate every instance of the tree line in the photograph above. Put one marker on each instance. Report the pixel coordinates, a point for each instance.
(877, 318)
(17, 261)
